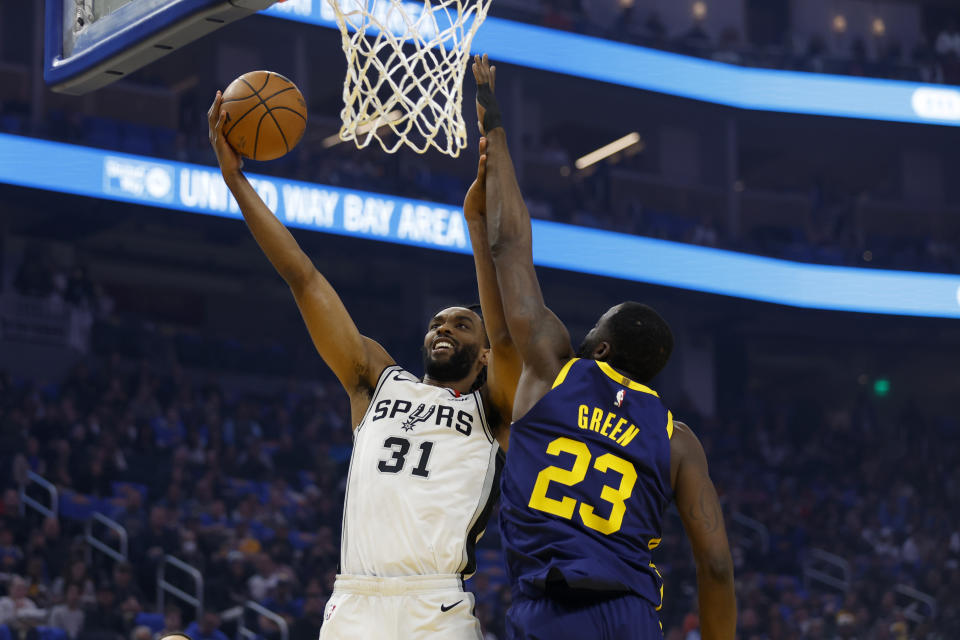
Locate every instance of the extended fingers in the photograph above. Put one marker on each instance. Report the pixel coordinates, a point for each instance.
(476, 69)
(481, 69)
(215, 108)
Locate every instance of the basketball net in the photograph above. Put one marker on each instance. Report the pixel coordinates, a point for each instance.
(405, 68)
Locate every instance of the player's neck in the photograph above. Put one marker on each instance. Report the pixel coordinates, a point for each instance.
(462, 387)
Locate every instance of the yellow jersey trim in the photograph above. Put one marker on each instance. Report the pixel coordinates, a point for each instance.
(669, 425)
(563, 373)
(613, 374)
(657, 571)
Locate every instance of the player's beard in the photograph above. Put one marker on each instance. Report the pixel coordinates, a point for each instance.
(456, 367)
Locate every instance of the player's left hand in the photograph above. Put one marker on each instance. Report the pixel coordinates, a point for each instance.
(475, 202)
(483, 73)
(229, 160)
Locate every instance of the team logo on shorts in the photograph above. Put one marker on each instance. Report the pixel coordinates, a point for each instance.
(330, 612)
(422, 414)
(620, 397)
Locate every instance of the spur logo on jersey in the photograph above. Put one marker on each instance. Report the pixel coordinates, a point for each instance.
(422, 414)
(435, 414)
(620, 397)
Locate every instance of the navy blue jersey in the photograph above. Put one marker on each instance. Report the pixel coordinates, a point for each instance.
(585, 486)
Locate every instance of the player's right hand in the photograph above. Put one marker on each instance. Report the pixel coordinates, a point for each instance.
(483, 73)
(475, 202)
(230, 161)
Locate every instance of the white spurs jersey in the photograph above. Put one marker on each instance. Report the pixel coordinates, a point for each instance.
(424, 474)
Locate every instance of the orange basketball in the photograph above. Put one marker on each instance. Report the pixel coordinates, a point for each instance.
(266, 115)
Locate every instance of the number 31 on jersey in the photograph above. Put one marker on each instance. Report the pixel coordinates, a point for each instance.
(565, 507)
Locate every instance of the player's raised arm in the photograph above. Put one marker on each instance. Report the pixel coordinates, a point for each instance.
(702, 518)
(540, 337)
(504, 365)
(356, 360)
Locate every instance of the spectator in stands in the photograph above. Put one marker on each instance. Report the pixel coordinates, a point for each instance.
(69, 615)
(815, 58)
(124, 585)
(948, 52)
(555, 16)
(265, 579)
(36, 576)
(705, 232)
(652, 30)
(35, 277)
(158, 539)
(45, 542)
(728, 47)
(208, 628)
(11, 555)
(104, 620)
(75, 572)
(307, 625)
(947, 44)
(604, 17)
(172, 620)
(695, 41)
(16, 609)
(141, 632)
(281, 599)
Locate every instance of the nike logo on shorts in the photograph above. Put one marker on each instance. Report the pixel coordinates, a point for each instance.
(445, 608)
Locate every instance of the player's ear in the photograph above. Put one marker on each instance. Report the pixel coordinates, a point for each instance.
(485, 356)
(602, 350)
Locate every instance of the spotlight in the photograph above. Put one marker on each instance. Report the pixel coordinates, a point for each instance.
(879, 27)
(699, 10)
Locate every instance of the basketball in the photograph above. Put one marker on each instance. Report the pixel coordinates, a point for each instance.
(266, 115)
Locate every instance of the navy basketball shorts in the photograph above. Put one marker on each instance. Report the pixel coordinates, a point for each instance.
(617, 617)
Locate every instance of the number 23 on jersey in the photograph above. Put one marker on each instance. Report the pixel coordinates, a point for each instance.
(565, 507)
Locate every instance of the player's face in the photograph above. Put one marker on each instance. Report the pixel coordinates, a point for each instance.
(591, 347)
(453, 345)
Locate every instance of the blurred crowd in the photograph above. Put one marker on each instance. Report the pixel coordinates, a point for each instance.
(935, 59)
(248, 487)
(869, 484)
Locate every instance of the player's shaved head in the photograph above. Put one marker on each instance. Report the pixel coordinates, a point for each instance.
(632, 338)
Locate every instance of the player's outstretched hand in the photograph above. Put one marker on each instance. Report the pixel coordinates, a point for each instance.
(230, 161)
(483, 73)
(475, 202)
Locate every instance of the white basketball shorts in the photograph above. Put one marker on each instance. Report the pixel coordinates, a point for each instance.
(406, 608)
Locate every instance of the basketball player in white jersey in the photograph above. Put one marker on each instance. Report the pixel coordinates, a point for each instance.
(424, 471)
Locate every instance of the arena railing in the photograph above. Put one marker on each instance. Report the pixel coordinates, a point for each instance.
(827, 569)
(912, 600)
(756, 533)
(26, 500)
(195, 599)
(44, 321)
(102, 545)
(245, 633)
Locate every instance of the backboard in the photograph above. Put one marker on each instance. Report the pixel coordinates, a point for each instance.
(91, 43)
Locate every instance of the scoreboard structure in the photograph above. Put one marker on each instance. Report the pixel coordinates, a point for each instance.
(91, 43)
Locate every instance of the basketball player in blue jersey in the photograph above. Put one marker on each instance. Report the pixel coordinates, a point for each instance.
(426, 452)
(595, 458)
